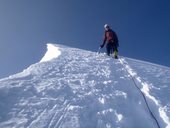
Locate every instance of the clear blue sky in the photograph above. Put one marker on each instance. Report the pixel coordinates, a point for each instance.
(143, 28)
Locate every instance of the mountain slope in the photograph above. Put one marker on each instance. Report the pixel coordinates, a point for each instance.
(75, 88)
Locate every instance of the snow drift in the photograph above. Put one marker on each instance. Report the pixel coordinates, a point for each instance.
(74, 88)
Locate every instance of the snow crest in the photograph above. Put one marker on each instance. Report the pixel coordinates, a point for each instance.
(82, 89)
(52, 52)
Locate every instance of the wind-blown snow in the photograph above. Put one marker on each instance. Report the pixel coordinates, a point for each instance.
(75, 88)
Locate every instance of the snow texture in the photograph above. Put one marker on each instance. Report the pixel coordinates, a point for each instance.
(74, 88)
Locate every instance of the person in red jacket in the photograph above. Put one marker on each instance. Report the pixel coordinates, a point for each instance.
(111, 41)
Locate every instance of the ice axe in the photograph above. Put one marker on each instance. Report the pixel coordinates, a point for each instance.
(98, 52)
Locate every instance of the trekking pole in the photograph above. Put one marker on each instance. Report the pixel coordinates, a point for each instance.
(98, 52)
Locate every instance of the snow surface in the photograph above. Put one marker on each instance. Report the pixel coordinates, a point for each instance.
(74, 88)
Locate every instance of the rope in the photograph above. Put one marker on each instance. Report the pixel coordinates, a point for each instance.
(143, 95)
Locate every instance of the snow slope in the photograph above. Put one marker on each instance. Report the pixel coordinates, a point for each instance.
(74, 88)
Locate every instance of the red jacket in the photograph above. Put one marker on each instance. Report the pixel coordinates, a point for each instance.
(110, 37)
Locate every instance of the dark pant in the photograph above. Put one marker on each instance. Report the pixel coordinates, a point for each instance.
(110, 48)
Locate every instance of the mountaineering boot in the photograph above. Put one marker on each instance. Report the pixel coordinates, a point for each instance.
(115, 54)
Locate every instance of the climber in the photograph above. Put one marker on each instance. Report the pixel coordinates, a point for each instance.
(111, 40)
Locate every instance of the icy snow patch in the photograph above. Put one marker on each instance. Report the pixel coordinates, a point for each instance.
(52, 52)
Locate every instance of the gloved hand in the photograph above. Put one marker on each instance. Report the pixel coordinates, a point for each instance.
(102, 46)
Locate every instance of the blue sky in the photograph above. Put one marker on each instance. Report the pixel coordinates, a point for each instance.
(143, 28)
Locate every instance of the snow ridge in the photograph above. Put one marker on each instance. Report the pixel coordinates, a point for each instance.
(82, 89)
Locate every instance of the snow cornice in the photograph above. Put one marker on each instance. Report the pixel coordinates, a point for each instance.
(52, 52)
